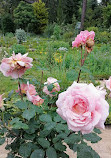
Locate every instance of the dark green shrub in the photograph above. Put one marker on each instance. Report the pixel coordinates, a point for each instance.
(49, 30)
(57, 32)
(68, 35)
(7, 24)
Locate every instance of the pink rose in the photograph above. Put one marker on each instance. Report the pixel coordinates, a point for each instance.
(1, 101)
(16, 65)
(27, 87)
(37, 100)
(83, 107)
(83, 39)
(108, 83)
(55, 88)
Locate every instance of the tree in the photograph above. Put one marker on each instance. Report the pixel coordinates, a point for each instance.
(71, 8)
(83, 14)
(41, 13)
(107, 16)
(24, 15)
(51, 6)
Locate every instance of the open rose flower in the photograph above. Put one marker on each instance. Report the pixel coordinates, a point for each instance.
(83, 107)
(1, 101)
(85, 38)
(108, 83)
(27, 87)
(51, 82)
(37, 100)
(16, 65)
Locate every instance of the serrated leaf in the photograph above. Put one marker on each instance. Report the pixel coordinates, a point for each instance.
(44, 133)
(51, 151)
(96, 130)
(24, 151)
(45, 118)
(84, 151)
(28, 114)
(73, 138)
(39, 153)
(93, 137)
(21, 105)
(59, 146)
(43, 142)
(29, 136)
(49, 126)
(60, 136)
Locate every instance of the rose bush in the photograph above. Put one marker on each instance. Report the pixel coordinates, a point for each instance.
(31, 122)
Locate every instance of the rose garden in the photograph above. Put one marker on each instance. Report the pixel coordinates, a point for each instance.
(51, 96)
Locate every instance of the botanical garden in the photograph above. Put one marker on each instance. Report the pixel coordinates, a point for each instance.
(55, 78)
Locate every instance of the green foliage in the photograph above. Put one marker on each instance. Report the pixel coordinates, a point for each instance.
(107, 15)
(7, 23)
(20, 35)
(24, 15)
(57, 31)
(18, 48)
(68, 35)
(48, 32)
(95, 29)
(41, 13)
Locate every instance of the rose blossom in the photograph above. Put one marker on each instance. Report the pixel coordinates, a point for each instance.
(84, 38)
(1, 101)
(108, 83)
(27, 87)
(56, 87)
(16, 65)
(37, 100)
(83, 107)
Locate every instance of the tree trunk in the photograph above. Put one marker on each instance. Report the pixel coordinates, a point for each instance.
(83, 14)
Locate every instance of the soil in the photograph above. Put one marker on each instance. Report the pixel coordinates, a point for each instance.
(103, 147)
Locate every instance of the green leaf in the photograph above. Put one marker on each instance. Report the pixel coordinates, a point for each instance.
(2, 140)
(84, 151)
(17, 124)
(25, 151)
(28, 114)
(43, 142)
(39, 153)
(29, 136)
(50, 87)
(45, 118)
(96, 130)
(51, 151)
(63, 155)
(21, 105)
(60, 136)
(49, 126)
(73, 138)
(59, 119)
(93, 137)
(44, 133)
(59, 146)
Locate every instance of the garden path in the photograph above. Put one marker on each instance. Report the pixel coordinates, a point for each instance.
(103, 147)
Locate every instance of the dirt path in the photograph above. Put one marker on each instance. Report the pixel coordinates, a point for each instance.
(103, 147)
